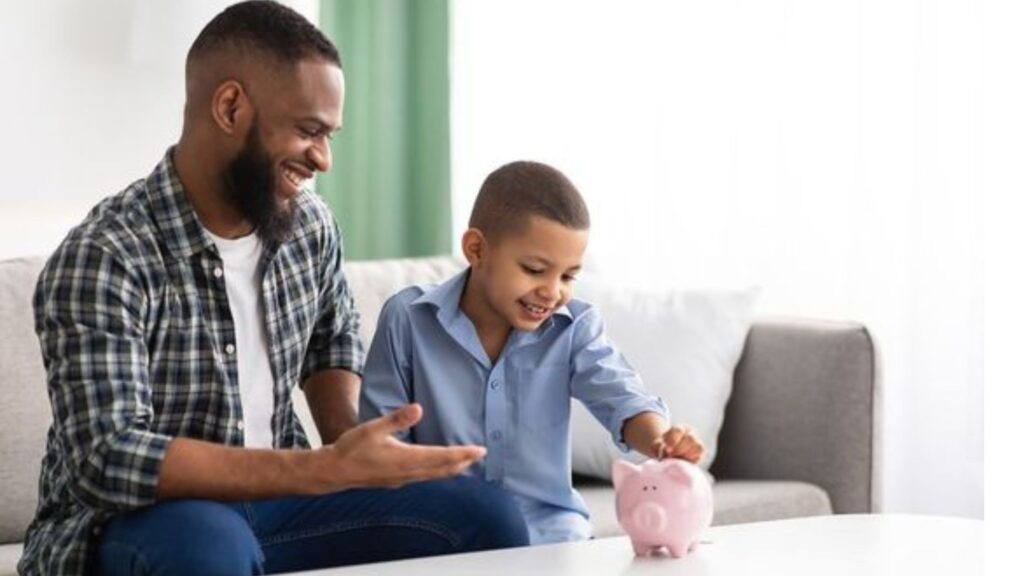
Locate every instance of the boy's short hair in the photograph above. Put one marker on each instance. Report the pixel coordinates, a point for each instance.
(518, 190)
(267, 27)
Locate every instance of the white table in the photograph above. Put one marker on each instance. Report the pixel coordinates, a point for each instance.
(834, 545)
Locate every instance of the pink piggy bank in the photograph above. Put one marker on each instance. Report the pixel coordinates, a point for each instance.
(662, 503)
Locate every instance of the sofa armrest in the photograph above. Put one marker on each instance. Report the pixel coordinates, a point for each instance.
(805, 407)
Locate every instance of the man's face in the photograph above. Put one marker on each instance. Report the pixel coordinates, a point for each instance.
(287, 143)
(526, 276)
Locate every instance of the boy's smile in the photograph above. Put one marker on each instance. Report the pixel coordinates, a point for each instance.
(518, 281)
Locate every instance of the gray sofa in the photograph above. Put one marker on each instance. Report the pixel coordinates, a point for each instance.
(800, 435)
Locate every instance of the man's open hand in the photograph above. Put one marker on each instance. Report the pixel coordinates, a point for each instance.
(370, 456)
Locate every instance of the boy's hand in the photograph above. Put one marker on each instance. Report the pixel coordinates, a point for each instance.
(679, 442)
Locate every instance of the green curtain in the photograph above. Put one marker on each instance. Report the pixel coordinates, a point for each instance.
(390, 184)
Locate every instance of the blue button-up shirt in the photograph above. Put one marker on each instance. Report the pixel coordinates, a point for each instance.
(426, 350)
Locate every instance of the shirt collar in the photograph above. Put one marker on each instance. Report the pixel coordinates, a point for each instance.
(445, 298)
(180, 229)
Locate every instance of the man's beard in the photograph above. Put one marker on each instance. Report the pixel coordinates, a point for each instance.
(249, 184)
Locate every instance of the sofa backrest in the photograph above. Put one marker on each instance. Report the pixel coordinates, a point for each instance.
(25, 414)
(24, 406)
(372, 283)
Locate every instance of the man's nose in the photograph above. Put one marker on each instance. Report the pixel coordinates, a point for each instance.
(320, 154)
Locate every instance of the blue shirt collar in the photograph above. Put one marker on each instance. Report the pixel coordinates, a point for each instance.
(445, 298)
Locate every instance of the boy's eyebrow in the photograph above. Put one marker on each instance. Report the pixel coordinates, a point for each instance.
(546, 262)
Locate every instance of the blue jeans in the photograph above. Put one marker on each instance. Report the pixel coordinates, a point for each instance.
(304, 533)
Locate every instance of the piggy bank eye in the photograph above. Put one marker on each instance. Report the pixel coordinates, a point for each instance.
(645, 488)
(654, 487)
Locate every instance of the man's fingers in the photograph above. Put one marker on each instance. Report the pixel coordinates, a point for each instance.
(434, 456)
(401, 419)
(432, 462)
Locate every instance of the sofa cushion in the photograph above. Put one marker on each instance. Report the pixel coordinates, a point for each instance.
(9, 556)
(684, 344)
(24, 405)
(372, 282)
(736, 501)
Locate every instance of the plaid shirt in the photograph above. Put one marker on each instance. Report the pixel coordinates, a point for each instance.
(138, 342)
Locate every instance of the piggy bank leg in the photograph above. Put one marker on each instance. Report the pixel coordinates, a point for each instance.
(641, 548)
(677, 550)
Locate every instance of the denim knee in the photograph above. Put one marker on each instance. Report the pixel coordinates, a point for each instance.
(180, 537)
(495, 516)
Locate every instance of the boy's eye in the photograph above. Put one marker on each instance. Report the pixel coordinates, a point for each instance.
(531, 271)
(569, 278)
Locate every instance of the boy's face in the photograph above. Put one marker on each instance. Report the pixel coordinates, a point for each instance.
(525, 276)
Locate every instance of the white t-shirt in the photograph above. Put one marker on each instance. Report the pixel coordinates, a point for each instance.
(241, 258)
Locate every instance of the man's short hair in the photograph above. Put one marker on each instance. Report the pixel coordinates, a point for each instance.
(516, 191)
(265, 27)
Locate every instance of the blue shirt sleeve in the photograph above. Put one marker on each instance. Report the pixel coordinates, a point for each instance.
(387, 379)
(604, 381)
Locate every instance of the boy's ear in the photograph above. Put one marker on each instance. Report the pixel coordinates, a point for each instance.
(473, 246)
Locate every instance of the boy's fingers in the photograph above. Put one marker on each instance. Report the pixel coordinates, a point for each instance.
(659, 448)
(674, 435)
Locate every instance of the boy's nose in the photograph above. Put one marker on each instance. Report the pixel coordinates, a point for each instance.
(549, 292)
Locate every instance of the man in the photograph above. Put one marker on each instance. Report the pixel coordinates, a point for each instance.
(174, 323)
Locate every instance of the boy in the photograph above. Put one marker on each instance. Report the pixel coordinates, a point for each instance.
(495, 353)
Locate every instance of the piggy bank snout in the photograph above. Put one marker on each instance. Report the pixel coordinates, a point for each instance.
(650, 517)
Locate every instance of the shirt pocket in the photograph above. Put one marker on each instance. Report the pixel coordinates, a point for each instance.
(543, 397)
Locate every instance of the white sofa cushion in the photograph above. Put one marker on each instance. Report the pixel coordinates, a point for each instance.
(372, 282)
(685, 346)
(24, 404)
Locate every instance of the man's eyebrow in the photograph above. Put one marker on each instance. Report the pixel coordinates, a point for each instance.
(321, 124)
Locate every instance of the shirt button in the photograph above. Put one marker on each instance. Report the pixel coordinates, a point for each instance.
(218, 272)
(496, 435)
(240, 425)
(230, 349)
(495, 384)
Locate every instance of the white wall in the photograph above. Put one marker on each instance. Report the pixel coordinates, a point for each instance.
(826, 151)
(93, 95)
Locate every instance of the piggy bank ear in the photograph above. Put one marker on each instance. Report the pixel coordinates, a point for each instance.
(621, 470)
(678, 470)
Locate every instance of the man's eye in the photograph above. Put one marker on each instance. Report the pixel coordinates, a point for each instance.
(307, 133)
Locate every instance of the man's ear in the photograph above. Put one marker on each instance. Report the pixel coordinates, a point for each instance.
(231, 108)
(474, 245)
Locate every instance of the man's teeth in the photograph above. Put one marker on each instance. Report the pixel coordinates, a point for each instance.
(294, 178)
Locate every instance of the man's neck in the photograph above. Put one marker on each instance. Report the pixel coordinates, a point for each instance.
(201, 175)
